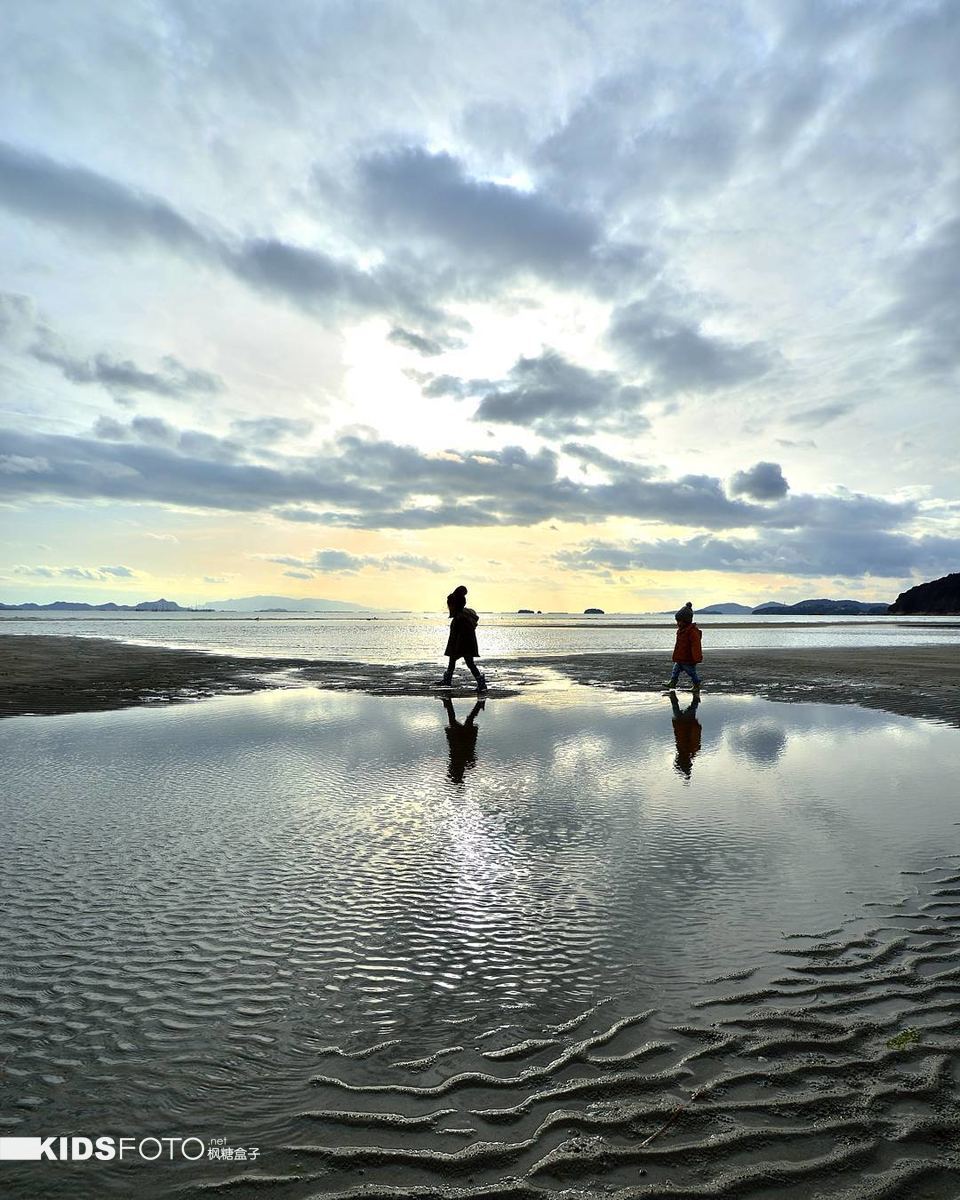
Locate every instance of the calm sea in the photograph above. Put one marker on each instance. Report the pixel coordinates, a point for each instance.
(405, 636)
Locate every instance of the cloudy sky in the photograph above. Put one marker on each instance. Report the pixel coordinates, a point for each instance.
(607, 302)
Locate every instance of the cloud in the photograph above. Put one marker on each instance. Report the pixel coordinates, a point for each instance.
(366, 483)
(928, 307)
(429, 347)
(821, 414)
(810, 553)
(22, 328)
(173, 379)
(341, 562)
(92, 574)
(18, 318)
(413, 191)
(42, 189)
(763, 481)
(679, 355)
(265, 431)
(554, 396)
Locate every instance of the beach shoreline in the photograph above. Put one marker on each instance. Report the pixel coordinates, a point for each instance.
(50, 675)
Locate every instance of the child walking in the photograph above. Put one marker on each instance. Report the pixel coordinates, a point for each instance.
(462, 642)
(687, 650)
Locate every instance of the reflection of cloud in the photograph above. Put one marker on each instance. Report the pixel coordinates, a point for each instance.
(762, 744)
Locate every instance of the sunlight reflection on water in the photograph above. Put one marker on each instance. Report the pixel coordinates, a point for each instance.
(228, 884)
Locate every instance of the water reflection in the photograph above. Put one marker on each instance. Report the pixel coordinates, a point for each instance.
(461, 740)
(247, 882)
(687, 731)
(762, 743)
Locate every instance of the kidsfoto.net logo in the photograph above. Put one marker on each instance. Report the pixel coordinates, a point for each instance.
(100, 1149)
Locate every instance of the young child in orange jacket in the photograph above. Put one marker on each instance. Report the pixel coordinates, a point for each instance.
(687, 651)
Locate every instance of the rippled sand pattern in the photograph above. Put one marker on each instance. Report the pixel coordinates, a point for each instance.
(837, 1078)
(405, 962)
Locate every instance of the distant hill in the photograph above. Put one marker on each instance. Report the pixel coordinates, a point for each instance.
(939, 597)
(80, 606)
(286, 604)
(725, 609)
(821, 608)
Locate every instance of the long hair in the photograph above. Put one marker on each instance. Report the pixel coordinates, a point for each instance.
(457, 600)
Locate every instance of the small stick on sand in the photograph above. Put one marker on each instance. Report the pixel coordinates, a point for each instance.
(673, 1116)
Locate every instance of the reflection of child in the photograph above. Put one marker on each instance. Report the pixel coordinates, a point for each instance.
(687, 650)
(686, 731)
(462, 739)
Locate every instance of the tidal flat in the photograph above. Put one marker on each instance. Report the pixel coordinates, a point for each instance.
(575, 940)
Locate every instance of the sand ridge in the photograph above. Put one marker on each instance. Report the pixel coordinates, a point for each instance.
(41, 674)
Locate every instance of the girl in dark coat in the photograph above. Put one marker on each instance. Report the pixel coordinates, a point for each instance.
(462, 642)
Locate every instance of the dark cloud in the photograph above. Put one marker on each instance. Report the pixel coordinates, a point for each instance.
(431, 195)
(21, 326)
(820, 552)
(928, 308)
(429, 347)
(75, 198)
(822, 414)
(763, 481)
(437, 386)
(45, 190)
(173, 379)
(308, 278)
(678, 355)
(552, 395)
(762, 743)
(360, 482)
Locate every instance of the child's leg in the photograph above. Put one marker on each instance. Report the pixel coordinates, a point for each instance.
(677, 668)
(472, 668)
(448, 673)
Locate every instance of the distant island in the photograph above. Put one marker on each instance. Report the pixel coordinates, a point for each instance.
(939, 597)
(243, 604)
(822, 608)
(525, 612)
(80, 606)
(593, 612)
(286, 604)
(726, 610)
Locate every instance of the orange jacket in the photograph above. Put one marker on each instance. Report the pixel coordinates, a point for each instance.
(687, 649)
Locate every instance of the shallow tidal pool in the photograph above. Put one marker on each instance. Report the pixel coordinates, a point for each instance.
(375, 937)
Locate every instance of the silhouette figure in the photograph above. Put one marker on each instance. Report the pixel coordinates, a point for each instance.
(686, 731)
(462, 740)
(462, 642)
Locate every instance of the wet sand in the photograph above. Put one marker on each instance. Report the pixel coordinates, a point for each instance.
(835, 1077)
(48, 675)
(830, 1070)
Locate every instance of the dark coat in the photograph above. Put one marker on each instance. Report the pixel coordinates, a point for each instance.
(462, 642)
